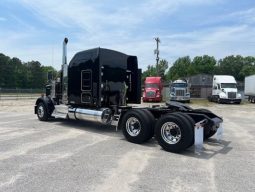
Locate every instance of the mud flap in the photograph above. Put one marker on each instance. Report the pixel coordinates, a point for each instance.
(199, 138)
(219, 133)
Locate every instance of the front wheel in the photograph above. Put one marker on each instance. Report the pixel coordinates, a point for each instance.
(42, 112)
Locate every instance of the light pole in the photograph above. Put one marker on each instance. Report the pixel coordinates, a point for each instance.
(156, 52)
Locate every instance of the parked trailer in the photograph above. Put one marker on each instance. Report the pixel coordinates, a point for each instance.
(249, 88)
(98, 84)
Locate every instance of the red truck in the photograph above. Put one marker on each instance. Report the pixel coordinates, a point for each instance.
(152, 89)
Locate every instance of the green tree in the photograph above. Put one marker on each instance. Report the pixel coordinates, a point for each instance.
(202, 64)
(232, 65)
(18, 70)
(150, 72)
(162, 67)
(248, 67)
(4, 70)
(35, 75)
(49, 73)
(180, 68)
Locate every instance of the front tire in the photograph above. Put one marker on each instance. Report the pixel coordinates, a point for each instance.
(174, 134)
(41, 112)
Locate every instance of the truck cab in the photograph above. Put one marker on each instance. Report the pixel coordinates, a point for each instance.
(152, 89)
(179, 91)
(224, 89)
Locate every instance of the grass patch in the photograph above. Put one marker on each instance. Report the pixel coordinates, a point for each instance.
(201, 102)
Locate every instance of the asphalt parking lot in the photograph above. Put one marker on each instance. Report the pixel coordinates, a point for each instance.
(62, 155)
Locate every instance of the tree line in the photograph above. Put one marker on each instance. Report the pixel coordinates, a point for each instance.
(237, 66)
(17, 74)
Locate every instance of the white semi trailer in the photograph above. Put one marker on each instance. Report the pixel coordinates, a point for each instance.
(249, 88)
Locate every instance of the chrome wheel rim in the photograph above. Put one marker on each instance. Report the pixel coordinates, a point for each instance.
(133, 126)
(40, 111)
(171, 133)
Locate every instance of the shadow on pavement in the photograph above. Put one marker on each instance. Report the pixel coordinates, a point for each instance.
(211, 148)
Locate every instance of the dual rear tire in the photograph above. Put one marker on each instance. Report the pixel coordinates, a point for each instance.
(174, 132)
(137, 125)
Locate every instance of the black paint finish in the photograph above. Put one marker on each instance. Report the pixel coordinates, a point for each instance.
(103, 78)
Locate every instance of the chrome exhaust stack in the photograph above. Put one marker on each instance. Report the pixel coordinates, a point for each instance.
(64, 74)
(100, 116)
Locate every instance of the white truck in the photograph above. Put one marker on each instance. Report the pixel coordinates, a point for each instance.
(224, 90)
(249, 88)
(179, 91)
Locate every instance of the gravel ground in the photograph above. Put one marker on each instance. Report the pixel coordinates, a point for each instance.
(62, 155)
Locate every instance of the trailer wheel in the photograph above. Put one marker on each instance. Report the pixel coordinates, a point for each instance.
(174, 133)
(42, 112)
(136, 126)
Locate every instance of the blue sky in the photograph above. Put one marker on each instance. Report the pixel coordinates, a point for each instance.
(35, 29)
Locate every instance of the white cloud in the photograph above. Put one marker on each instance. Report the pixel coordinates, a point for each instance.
(218, 42)
(93, 24)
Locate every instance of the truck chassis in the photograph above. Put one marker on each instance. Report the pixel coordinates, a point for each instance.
(172, 125)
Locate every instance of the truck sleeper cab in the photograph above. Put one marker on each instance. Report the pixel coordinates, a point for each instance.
(99, 84)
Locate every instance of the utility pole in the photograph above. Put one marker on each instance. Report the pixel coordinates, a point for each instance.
(156, 52)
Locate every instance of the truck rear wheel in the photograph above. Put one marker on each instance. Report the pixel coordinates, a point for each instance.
(190, 121)
(136, 126)
(151, 120)
(174, 133)
(42, 112)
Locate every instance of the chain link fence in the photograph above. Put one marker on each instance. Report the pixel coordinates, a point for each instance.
(15, 94)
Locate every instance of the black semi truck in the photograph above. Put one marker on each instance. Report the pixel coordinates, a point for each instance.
(99, 84)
